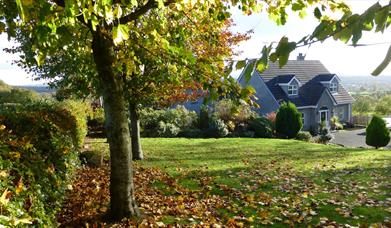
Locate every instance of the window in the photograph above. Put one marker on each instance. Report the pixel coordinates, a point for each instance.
(292, 90)
(302, 118)
(333, 87)
(323, 116)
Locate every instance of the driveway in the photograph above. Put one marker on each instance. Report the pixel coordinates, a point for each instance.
(353, 138)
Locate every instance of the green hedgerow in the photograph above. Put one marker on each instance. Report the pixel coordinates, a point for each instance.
(38, 156)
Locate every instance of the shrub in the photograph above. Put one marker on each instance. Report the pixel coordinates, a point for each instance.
(70, 116)
(158, 123)
(288, 120)
(304, 136)
(262, 127)
(191, 133)
(335, 124)
(217, 128)
(38, 158)
(272, 117)
(324, 134)
(227, 110)
(377, 134)
(167, 130)
(97, 118)
(203, 120)
(76, 113)
(242, 130)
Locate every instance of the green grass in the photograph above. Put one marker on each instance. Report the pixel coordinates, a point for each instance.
(283, 180)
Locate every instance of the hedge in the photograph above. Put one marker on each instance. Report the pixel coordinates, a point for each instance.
(38, 157)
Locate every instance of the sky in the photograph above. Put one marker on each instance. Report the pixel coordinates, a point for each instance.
(338, 57)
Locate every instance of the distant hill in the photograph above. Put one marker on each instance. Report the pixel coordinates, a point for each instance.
(366, 83)
(38, 88)
(366, 79)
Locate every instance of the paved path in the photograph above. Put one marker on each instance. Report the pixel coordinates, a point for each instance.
(354, 138)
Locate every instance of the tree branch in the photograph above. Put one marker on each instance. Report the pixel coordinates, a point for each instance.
(151, 4)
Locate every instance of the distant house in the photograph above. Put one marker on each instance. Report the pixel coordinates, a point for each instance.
(317, 93)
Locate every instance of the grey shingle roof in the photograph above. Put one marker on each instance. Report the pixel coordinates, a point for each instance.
(284, 78)
(304, 70)
(310, 73)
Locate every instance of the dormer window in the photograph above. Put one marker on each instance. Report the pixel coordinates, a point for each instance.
(293, 90)
(333, 87)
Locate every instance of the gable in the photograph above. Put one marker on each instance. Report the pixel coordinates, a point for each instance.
(310, 75)
(326, 99)
(265, 98)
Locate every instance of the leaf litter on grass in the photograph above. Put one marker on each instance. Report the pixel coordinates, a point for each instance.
(263, 195)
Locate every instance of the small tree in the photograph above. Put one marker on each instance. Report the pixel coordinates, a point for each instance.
(377, 134)
(288, 120)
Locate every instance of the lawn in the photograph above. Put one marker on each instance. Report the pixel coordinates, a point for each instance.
(258, 182)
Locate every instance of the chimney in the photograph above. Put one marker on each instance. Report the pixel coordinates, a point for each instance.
(300, 56)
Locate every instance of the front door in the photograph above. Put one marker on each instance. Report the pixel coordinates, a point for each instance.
(323, 114)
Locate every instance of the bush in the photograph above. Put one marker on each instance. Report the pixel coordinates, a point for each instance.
(75, 114)
(167, 130)
(272, 117)
(227, 110)
(203, 120)
(242, 130)
(97, 118)
(262, 127)
(191, 133)
(217, 128)
(166, 123)
(38, 157)
(304, 136)
(335, 124)
(377, 134)
(288, 120)
(324, 134)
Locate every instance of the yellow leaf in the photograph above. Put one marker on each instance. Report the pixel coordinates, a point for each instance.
(3, 173)
(4, 197)
(2, 127)
(16, 222)
(14, 154)
(305, 194)
(19, 187)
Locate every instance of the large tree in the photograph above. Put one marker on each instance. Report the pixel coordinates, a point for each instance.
(104, 26)
(153, 76)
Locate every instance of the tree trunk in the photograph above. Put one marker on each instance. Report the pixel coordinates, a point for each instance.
(122, 201)
(135, 133)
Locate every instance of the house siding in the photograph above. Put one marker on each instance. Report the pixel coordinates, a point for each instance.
(324, 101)
(193, 105)
(343, 112)
(308, 117)
(265, 100)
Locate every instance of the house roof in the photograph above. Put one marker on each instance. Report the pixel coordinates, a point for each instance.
(310, 73)
(304, 70)
(285, 78)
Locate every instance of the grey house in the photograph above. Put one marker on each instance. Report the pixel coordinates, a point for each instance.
(317, 93)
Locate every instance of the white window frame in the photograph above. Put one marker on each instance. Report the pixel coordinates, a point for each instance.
(326, 116)
(334, 87)
(293, 90)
